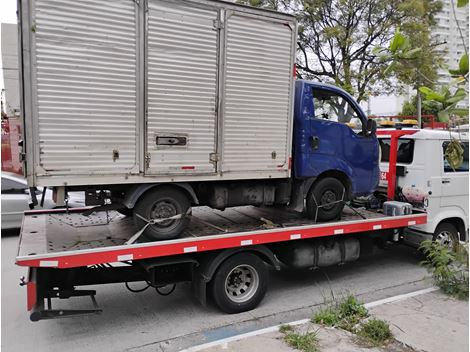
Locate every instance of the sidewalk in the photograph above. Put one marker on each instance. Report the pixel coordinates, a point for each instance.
(430, 322)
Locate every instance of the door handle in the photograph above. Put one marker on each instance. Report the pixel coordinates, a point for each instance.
(314, 142)
(446, 180)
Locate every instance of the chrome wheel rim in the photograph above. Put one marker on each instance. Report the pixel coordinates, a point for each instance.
(241, 283)
(445, 238)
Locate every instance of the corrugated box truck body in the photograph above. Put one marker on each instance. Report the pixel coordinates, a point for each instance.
(125, 91)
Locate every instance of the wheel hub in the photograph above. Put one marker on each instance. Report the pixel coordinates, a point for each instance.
(241, 283)
(445, 238)
(163, 210)
(327, 200)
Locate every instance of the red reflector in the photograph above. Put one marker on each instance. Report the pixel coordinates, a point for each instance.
(294, 71)
(188, 167)
(31, 295)
(290, 163)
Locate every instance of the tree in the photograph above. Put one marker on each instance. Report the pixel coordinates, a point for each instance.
(337, 37)
(421, 66)
(409, 107)
(449, 96)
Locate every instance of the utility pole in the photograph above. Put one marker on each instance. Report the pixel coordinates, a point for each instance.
(418, 108)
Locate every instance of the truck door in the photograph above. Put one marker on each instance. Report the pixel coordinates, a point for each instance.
(339, 140)
(181, 81)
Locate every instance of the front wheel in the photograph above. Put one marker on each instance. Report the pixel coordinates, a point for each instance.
(447, 235)
(325, 200)
(239, 283)
(160, 204)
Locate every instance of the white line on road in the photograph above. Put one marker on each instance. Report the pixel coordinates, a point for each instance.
(400, 297)
(303, 321)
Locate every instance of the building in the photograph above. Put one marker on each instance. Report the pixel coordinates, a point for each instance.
(447, 30)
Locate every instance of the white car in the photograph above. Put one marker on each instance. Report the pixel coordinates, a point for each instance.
(426, 180)
(15, 199)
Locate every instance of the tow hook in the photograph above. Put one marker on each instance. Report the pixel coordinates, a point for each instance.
(22, 281)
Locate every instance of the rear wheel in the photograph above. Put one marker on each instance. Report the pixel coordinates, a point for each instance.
(325, 199)
(447, 235)
(162, 203)
(239, 283)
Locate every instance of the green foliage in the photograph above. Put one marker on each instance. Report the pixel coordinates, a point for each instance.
(328, 317)
(412, 54)
(307, 342)
(446, 99)
(375, 331)
(449, 267)
(344, 314)
(454, 154)
(285, 329)
(410, 108)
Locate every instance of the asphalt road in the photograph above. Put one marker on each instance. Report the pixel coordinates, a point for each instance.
(149, 322)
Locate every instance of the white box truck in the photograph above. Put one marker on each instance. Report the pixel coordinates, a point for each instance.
(152, 106)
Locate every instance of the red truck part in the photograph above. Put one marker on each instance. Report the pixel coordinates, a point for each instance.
(392, 163)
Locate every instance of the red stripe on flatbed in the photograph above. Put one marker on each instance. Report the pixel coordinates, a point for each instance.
(202, 244)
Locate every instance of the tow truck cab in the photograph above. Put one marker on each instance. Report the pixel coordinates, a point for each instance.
(426, 180)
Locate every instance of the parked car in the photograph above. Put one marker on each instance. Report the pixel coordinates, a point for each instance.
(426, 180)
(16, 196)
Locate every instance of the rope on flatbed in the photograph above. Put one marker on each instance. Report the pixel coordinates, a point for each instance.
(153, 222)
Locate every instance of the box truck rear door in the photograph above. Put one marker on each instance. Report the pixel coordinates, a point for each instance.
(182, 57)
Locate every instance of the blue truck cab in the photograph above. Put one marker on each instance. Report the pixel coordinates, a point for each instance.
(335, 149)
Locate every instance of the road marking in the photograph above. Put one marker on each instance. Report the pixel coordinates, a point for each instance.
(400, 297)
(275, 328)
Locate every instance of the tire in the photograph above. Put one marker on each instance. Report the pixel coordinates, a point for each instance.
(239, 283)
(324, 191)
(162, 202)
(446, 234)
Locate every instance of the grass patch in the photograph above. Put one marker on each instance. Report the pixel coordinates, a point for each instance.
(449, 267)
(375, 331)
(345, 314)
(307, 342)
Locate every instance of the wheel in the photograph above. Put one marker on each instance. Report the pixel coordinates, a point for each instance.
(161, 203)
(325, 192)
(239, 283)
(446, 234)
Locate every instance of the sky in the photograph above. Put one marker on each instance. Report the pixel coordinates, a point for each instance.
(7, 15)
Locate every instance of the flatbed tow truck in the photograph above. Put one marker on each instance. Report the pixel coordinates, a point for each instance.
(224, 253)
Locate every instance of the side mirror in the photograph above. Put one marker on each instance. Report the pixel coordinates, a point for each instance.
(371, 127)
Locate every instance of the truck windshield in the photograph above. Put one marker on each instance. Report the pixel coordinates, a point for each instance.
(405, 150)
